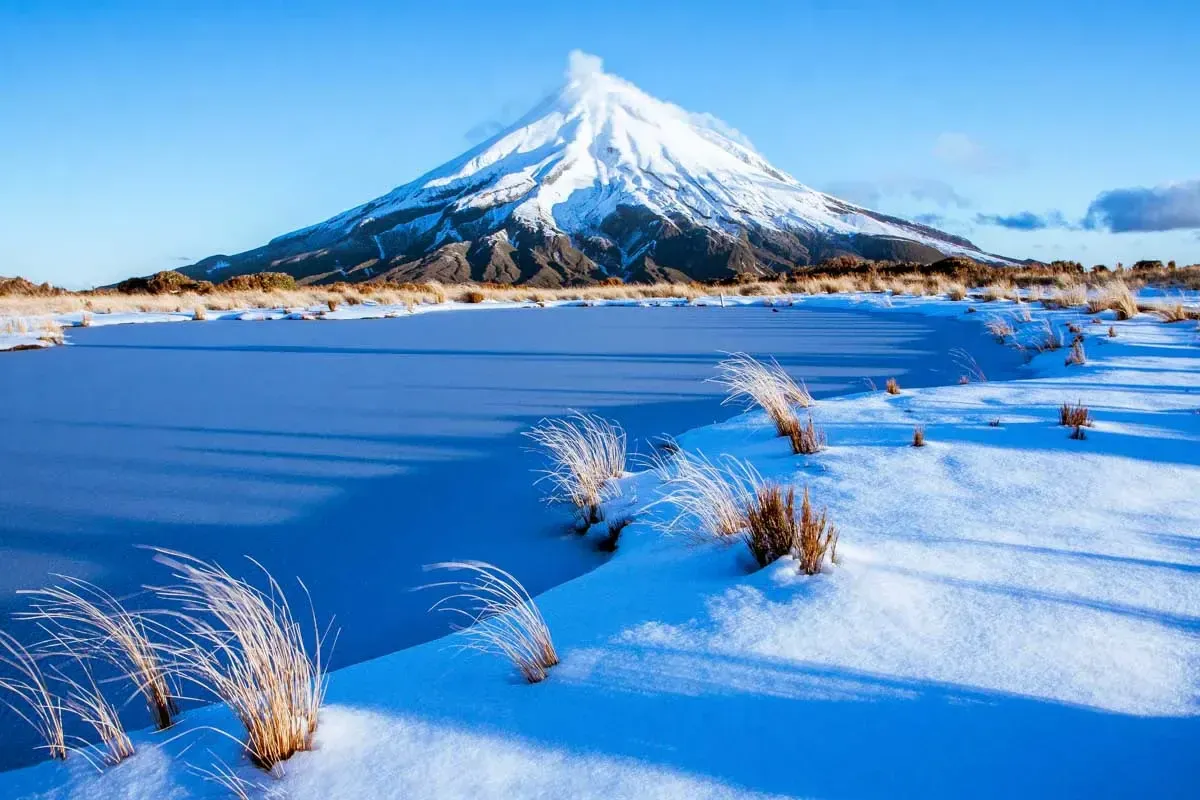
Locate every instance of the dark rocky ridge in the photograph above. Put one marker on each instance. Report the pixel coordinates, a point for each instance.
(633, 244)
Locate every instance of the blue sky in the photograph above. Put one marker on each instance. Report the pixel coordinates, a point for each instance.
(137, 136)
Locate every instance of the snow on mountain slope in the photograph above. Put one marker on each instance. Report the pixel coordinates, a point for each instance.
(594, 181)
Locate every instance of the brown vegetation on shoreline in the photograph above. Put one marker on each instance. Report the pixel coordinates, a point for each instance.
(1064, 283)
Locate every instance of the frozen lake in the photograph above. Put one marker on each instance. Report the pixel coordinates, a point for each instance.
(351, 453)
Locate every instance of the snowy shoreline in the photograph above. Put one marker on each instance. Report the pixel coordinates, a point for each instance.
(1006, 596)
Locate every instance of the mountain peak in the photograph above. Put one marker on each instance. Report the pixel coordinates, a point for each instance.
(599, 179)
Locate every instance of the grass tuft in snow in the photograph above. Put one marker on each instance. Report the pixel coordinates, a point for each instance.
(806, 439)
(771, 526)
(892, 386)
(1074, 415)
(199, 313)
(503, 619)
(774, 530)
(765, 385)
(86, 701)
(1077, 356)
(88, 622)
(34, 702)
(999, 327)
(224, 777)
(586, 453)
(1115, 297)
(254, 658)
(918, 437)
(708, 498)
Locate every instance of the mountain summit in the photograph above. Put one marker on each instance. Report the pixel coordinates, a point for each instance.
(598, 180)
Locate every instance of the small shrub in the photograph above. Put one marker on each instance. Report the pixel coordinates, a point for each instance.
(472, 296)
(332, 304)
(892, 387)
(956, 292)
(503, 618)
(806, 440)
(1074, 415)
(918, 437)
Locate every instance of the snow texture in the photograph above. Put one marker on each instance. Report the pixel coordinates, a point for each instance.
(1015, 614)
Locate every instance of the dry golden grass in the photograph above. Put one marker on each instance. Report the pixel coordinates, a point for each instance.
(37, 704)
(502, 617)
(1171, 312)
(817, 538)
(918, 436)
(254, 658)
(586, 453)
(1077, 356)
(1074, 415)
(1116, 297)
(88, 703)
(767, 385)
(88, 622)
(1078, 433)
(772, 529)
(199, 313)
(892, 386)
(806, 439)
(707, 498)
(999, 327)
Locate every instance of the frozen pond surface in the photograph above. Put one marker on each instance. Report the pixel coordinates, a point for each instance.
(351, 453)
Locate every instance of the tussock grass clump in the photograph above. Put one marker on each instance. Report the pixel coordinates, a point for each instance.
(806, 439)
(199, 314)
(1049, 338)
(1000, 328)
(502, 617)
(755, 383)
(1074, 415)
(774, 530)
(892, 386)
(1112, 332)
(918, 437)
(37, 704)
(331, 304)
(472, 296)
(1175, 312)
(956, 292)
(254, 658)
(1077, 356)
(1078, 433)
(87, 702)
(586, 452)
(708, 498)
(1116, 297)
(87, 621)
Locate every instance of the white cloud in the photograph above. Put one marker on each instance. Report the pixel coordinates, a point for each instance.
(581, 65)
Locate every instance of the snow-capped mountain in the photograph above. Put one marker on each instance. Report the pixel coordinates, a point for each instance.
(598, 180)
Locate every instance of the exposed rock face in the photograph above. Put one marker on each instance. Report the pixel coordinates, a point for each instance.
(599, 180)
